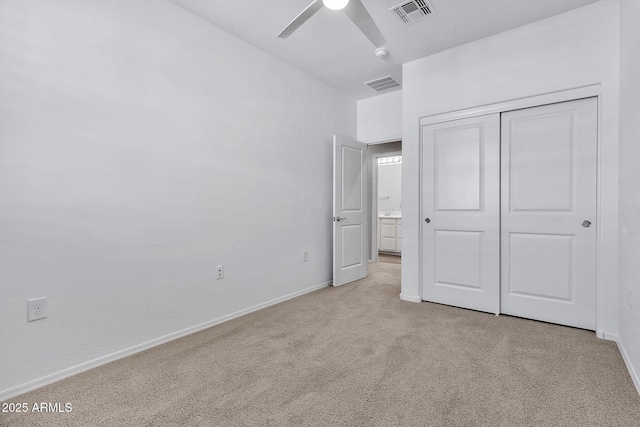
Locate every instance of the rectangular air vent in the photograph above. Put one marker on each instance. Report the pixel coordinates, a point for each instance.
(411, 11)
(383, 84)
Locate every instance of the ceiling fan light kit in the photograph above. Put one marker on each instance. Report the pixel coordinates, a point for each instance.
(354, 9)
(335, 4)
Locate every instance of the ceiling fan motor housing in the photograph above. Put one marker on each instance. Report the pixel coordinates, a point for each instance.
(381, 52)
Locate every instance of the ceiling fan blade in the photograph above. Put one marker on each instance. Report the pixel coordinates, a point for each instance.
(358, 14)
(309, 11)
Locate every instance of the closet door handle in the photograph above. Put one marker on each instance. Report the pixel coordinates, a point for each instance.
(586, 223)
(427, 220)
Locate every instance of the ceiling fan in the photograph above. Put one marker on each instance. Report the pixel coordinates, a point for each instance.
(354, 9)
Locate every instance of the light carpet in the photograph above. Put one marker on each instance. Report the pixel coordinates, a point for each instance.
(356, 356)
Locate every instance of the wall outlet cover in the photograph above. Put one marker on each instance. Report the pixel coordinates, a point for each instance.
(37, 309)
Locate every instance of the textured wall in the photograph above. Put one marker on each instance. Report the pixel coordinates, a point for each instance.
(140, 148)
(574, 49)
(630, 183)
(380, 118)
(390, 186)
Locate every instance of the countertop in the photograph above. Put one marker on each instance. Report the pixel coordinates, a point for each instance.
(391, 216)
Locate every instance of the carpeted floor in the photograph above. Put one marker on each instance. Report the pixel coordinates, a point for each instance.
(356, 356)
(393, 259)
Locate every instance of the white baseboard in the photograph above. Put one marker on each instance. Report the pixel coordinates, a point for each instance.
(627, 361)
(74, 370)
(607, 336)
(409, 298)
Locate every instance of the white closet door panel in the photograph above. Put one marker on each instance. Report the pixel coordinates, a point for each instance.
(460, 213)
(548, 191)
(458, 259)
(458, 160)
(545, 139)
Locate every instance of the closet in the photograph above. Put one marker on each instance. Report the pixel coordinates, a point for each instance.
(509, 212)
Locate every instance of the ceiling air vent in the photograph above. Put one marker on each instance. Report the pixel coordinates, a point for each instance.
(383, 84)
(411, 11)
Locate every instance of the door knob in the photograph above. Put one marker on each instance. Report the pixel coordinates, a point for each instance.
(586, 223)
(340, 219)
(427, 220)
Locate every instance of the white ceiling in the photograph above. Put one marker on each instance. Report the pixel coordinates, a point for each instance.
(332, 49)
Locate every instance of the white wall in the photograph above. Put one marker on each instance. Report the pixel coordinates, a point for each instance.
(140, 148)
(630, 185)
(380, 118)
(390, 187)
(575, 49)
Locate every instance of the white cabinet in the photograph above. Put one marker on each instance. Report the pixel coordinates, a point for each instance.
(390, 234)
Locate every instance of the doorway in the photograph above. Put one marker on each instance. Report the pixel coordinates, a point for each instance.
(377, 152)
(389, 207)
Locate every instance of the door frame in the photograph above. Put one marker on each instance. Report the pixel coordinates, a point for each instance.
(374, 200)
(592, 91)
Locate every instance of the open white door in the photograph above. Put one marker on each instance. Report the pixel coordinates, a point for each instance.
(350, 231)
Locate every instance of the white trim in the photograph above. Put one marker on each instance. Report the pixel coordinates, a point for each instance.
(627, 361)
(382, 141)
(515, 104)
(599, 226)
(421, 213)
(404, 297)
(74, 370)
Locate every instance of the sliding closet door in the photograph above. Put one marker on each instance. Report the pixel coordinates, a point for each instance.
(460, 213)
(549, 213)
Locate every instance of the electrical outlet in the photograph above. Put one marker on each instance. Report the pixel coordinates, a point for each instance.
(629, 298)
(305, 255)
(220, 272)
(37, 309)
